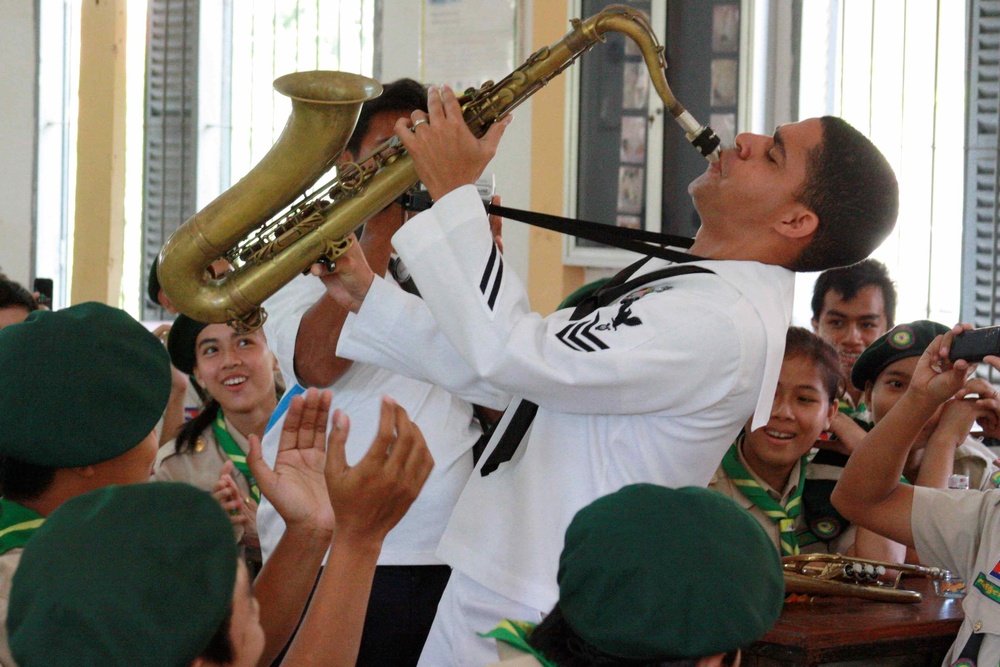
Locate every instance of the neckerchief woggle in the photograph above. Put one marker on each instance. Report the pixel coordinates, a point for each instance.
(17, 525)
(516, 634)
(785, 516)
(234, 453)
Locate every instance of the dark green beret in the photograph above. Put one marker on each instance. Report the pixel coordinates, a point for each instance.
(902, 341)
(79, 386)
(126, 575)
(581, 293)
(181, 342)
(651, 573)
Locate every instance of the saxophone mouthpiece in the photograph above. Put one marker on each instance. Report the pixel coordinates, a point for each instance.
(701, 136)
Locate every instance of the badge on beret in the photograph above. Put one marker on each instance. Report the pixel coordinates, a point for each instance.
(901, 339)
(826, 528)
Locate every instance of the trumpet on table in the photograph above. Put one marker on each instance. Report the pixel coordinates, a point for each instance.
(836, 575)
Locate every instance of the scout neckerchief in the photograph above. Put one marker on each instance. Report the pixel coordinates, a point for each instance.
(17, 525)
(234, 453)
(785, 516)
(516, 634)
(516, 428)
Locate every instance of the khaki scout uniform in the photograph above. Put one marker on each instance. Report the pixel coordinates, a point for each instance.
(724, 485)
(960, 531)
(975, 459)
(201, 466)
(8, 565)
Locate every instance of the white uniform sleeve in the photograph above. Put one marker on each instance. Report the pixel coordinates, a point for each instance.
(645, 356)
(948, 526)
(390, 315)
(285, 309)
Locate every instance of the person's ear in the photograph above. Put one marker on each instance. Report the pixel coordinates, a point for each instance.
(869, 385)
(815, 325)
(798, 223)
(197, 377)
(831, 415)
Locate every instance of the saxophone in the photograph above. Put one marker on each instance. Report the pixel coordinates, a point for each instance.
(325, 106)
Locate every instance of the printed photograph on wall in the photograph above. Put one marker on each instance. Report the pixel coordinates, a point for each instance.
(723, 82)
(633, 147)
(725, 28)
(630, 189)
(635, 86)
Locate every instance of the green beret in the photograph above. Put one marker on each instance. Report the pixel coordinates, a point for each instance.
(181, 342)
(581, 293)
(79, 386)
(651, 573)
(902, 341)
(141, 574)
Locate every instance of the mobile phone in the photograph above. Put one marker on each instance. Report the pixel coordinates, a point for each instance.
(43, 288)
(975, 344)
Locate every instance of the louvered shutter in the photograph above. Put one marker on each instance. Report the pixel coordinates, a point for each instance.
(171, 115)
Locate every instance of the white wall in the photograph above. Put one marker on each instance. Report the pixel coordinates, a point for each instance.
(400, 57)
(18, 66)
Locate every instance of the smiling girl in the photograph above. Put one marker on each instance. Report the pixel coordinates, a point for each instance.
(237, 373)
(765, 470)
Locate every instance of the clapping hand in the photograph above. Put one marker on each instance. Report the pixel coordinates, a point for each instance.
(296, 486)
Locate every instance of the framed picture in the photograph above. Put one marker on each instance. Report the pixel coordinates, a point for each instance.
(633, 146)
(724, 71)
(630, 188)
(725, 28)
(635, 85)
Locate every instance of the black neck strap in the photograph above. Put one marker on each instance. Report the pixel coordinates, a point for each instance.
(636, 240)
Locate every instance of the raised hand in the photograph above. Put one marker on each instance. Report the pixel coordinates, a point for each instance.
(446, 153)
(296, 486)
(371, 497)
(936, 378)
(348, 284)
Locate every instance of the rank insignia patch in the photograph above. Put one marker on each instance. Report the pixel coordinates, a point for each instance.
(988, 588)
(995, 572)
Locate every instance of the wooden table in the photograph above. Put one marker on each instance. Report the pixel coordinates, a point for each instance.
(831, 630)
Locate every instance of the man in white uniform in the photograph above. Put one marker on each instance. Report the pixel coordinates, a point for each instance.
(302, 330)
(650, 386)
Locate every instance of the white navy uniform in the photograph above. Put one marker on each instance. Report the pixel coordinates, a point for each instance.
(446, 421)
(653, 388)
(959, 530)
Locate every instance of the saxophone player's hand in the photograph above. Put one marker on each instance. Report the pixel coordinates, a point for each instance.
(446, 153)
(350, 279)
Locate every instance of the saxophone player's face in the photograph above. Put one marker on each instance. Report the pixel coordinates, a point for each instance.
(756, 182)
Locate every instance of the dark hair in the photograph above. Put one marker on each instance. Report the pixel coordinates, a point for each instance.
(801, 342)
(153, 283)
(403, 95)
(189, 432)
(20, 481)
(849, 280)
(557, 641)
(220, 647)
(13, 294)
(853, 191)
